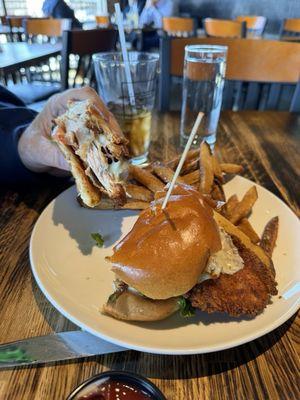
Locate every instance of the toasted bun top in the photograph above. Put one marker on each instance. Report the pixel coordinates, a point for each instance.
(166, 251)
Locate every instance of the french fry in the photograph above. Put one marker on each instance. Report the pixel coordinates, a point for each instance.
(235, 231)
(165, 174)
(244, 207)
(230, 205)
(107, 204)
(190, 155)
(135, 205)
(217, 192)
(217, 169)
(206, 169)
(269, 236)
(248, 230)
(228, 168)
(145, 178)
(137, 192)
(190, 166)
(192, 178)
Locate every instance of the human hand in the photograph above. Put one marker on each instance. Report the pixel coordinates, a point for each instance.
(37, 150)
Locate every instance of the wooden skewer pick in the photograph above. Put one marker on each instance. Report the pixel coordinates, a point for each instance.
(183, 157)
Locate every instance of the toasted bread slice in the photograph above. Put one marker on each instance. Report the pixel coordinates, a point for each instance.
(99, 151)
(90, 195)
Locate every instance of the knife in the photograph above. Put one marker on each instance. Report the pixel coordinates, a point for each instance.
(54, 347)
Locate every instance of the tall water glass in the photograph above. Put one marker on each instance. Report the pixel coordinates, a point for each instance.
(203, 81)
(113, 86)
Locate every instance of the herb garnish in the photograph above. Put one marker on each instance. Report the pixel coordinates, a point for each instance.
(113, 297)
(98, 239)
(185, 308)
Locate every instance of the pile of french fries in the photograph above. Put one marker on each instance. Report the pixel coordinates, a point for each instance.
(203, 171)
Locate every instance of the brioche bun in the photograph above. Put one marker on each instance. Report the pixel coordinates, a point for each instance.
(167, 250)
(130, 306)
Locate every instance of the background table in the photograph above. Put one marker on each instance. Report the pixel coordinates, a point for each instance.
(18, 54)
(267, 144)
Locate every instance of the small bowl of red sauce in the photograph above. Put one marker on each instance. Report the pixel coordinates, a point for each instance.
(117, 385)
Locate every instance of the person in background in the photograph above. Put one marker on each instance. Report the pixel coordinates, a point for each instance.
(140, 5)
(60, 9)
(155, 10)
(152, 17)
(28, 155)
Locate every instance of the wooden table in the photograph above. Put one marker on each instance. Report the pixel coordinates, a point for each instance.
(267, 144)
(18, 54)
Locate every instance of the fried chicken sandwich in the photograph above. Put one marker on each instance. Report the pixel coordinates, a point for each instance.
(184, 257)
(96, 151)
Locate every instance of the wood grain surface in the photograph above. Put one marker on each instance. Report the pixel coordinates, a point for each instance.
(267, 144)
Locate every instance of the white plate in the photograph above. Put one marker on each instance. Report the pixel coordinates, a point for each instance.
(77, 280)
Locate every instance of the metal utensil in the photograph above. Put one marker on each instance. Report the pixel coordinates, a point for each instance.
(54, 347)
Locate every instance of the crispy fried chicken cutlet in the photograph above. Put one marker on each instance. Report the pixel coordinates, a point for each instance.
(96, 151)
(247, 292)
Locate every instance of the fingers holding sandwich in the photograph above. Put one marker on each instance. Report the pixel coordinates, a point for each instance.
(94, 146)
(36, 148)
(59, 105)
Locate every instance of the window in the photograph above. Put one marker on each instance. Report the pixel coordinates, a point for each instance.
(85, 10)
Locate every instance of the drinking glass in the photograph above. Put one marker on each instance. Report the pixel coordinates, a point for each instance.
(133, 117)
(203, 81)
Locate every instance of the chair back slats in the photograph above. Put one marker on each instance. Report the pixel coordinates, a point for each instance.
(46, 26)
(253, 65)
(274, 95)
(166, 64)
(295, 103)
(224, 28)
(252, 96)
(174, 26)
(84, 43)
(228, 95)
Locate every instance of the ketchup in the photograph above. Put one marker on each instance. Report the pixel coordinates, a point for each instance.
(111, 389)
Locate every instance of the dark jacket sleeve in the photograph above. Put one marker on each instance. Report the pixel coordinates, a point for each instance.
(14, 118)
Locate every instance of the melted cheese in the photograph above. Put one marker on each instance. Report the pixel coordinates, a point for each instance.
(225, 261)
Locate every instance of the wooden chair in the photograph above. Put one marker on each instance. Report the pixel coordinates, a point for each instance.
(255, 24)
(44, 81)
(175, 26)
(84, 43)
(102, 21)
(290, 29)
(224, 28)
(15, 24)
(47, 27)
(258, 72)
